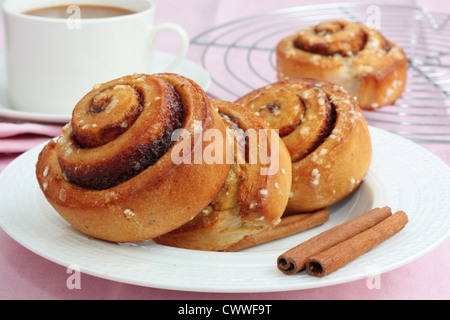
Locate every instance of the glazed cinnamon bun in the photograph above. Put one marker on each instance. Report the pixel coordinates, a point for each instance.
(326, 134)
(111, 173)
(255, 193)
(349, 54)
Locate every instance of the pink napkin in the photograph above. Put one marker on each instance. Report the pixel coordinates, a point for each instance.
(16, 138)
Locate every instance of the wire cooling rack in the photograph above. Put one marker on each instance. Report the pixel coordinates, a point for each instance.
(242, 55)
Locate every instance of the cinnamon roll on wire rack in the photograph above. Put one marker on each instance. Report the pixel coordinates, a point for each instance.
(349, 54)
(111, 174)
(326, 134)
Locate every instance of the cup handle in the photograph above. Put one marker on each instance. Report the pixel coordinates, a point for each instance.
(184, 38)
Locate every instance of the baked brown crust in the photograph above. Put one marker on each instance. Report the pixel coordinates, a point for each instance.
(111, 174)
(328, 140)
(349, 54)
(250, 201)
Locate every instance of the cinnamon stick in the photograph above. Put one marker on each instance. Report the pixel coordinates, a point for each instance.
(288, 226)
(338, 256)
(294, 260)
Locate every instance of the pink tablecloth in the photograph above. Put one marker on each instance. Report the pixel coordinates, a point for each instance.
(25, 275)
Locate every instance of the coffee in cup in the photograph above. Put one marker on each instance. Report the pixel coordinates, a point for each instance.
(52, 61)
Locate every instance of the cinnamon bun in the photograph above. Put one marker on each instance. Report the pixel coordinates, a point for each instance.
(111, 173)
(349, 54)
(326, 134)
(256, 191)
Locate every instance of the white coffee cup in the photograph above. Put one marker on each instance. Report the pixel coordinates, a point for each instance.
(53, 62)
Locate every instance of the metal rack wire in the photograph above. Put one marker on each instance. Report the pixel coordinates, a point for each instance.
(242, 53)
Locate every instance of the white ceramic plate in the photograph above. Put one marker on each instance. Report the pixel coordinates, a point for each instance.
(403, 176)
(161, 59)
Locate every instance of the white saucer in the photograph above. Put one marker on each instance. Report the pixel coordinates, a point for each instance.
(187, 68)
